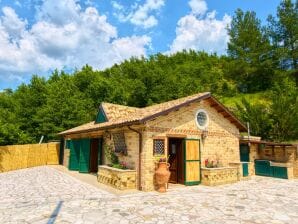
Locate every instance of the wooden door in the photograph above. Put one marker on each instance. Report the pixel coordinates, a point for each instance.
(173, 160)
(100, 155)
(244, 157)
(244, 153)
(84, 156)
(192, 162)
(176, 160)
(94, 155)
(74, 156)
(180, 162)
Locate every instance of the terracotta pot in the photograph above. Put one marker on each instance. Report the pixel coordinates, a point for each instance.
(162, 176)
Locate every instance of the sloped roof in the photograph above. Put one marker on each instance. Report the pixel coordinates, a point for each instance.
(119, 115)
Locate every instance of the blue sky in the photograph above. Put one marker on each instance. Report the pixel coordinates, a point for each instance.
(38, 36)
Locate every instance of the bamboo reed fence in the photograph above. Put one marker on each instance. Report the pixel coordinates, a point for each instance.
(14, 157)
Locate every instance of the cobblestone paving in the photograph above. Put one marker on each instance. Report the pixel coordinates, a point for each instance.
(46, 195)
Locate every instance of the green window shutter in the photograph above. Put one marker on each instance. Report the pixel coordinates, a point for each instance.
(84, 156)
(74, 156)
(100, 117)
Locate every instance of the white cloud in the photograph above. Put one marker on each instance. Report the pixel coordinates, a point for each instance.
(139, 15)
(117, 5)
(58, 12)
(13, 25)
(17, 3)
(129, 46)
(198, 7)
(64, 36)
(200, 30)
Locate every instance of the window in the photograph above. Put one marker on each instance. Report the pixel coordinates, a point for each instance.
(158, 146)
(202, 119)
(119, 142)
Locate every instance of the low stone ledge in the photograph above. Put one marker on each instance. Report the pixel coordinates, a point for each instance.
(281, 164)
(117, 178)
(219, 176)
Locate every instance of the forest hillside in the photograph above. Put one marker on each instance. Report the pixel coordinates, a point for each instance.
(257, 79)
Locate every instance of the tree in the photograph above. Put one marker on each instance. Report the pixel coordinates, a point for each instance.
(284, 112)
(283, 31)
(29, 98)
(65, 107)
(10, 131)
(258, 117)
(249, 49)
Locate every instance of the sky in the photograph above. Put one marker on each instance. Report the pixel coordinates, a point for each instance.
(39, 36)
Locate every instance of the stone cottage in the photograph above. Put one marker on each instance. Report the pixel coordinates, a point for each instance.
(198, 135)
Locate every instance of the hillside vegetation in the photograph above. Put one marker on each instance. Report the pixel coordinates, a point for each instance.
(257, 79)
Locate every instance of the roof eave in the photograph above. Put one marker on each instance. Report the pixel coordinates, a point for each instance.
(238, 123)
(136, 122)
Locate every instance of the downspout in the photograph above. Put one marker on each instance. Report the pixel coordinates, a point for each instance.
(140, 156)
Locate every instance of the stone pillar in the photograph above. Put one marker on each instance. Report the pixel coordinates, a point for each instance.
(66, 157)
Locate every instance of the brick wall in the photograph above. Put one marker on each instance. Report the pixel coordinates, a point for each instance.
(221, 143)
(132, 143)
(280, 154)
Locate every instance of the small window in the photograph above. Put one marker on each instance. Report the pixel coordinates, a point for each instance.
(202, 119)
(158, 147)
(119, 142)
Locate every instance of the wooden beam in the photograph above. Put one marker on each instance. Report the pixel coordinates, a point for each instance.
(221, 110)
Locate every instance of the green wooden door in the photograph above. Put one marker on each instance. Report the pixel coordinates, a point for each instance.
(244, 153)
(263, 168)
(280, 172)
(74, 154)
(245, 169)
(244, 157)
(84, 155)
(192, 163)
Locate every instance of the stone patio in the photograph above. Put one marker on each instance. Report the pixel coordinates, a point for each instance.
(46, 195)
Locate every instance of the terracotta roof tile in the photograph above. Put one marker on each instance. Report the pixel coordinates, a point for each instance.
(115, 112)
(118, 115)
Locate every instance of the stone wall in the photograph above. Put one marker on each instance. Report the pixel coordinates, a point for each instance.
(286, 155)
(117, 178)
(295, 169)
(132, 143)
(253, 153)
(66, 157)
(222, 142)
(219, 176)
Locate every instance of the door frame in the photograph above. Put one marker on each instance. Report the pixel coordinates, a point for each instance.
(182, 162)
(190, 183)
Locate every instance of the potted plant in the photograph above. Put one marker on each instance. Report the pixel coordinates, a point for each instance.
(162, 174)
(211, 164)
